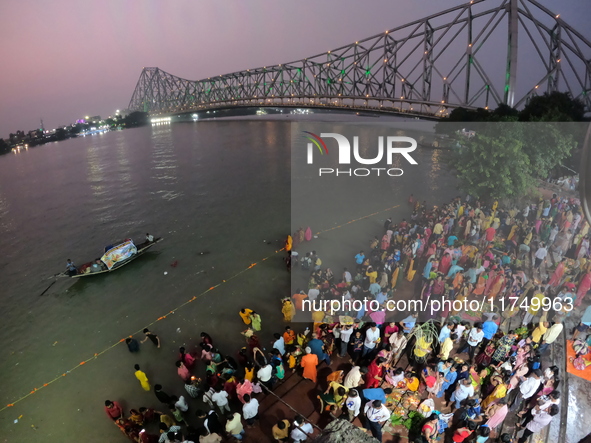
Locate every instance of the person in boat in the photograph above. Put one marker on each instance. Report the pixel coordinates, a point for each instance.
(97, 266)
(71, 268)
(149, 237)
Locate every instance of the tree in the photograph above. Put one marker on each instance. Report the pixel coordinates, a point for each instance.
(4, 148)
(458, 118)
(461, 118)
(493, 164)
(60, 134)
(556, 106)
(502, 161)
(505, 113)
(136, 118)
(547, 145)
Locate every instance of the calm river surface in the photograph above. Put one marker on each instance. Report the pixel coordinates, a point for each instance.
(221, 187)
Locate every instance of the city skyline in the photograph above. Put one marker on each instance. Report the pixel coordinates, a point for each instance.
(67, 60)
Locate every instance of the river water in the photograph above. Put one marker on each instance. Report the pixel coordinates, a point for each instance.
(219, 192)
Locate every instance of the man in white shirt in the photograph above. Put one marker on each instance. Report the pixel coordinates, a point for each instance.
(460, 328)
(250, 409)
(346, 295)
(220, 398)
(180, 403)
(551, 335)
(279, 343)
(313, 293)
(541, 254)
(540, 420)
(301, 430)
(353, 404)
(376, 414)
(264, 375)
(527, 388)
(346, 332)
(398, 342)
(553, 398)
(474, 338)
(347, 276)
(396, 376)
(295, 257)
(354, 378)
(462, 392)
(372, 338)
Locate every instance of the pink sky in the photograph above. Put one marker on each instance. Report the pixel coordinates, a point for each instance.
(64, 59)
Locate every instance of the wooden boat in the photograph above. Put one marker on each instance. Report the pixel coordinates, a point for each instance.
(108, 266)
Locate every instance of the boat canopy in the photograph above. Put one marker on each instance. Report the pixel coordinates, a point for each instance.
(119, 253)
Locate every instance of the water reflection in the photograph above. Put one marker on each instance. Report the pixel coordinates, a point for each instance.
(6, 222)
(435, 170)
(164, 163)
(121, 150)
(271, 142)
(95, 172)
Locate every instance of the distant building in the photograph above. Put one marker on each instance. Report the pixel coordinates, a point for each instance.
(35, 133)
(19, 137)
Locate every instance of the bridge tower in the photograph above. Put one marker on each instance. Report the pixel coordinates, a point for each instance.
(511, 72)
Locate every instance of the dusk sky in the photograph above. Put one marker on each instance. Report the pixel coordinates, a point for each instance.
(64, 59)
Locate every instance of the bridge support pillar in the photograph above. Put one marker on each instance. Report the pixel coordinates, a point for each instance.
(511, 72)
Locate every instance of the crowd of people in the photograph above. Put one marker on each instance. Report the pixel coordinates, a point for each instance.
(447, 375)
(531, 267)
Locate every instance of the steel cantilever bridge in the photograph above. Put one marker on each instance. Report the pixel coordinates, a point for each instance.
(464, 56)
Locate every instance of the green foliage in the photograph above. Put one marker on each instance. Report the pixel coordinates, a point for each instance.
(136, 118)
(522, 332)
(60, 134)
(458, 118)
(397, 420)
(493, 164)
(4, 148)
(427, 331)
(547, 145)
(499, 245)
(556, 106)
(413, 422)
(503, 160)
(505, 112)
